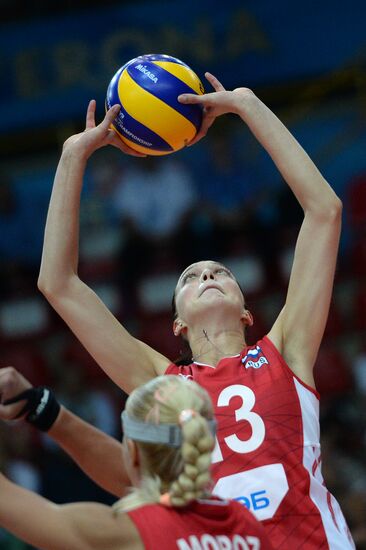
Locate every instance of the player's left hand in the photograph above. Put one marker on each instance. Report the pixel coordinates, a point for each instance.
(215, 104)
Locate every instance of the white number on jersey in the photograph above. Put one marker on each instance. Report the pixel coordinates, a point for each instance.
(244, 412)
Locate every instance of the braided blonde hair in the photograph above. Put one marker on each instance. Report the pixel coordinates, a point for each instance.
(173, 476)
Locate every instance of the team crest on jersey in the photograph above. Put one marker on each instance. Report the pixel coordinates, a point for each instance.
(254, 358)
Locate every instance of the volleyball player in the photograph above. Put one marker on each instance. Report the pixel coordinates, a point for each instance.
(167, 447)
(267, 452)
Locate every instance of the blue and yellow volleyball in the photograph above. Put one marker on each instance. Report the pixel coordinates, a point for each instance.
(151, 119)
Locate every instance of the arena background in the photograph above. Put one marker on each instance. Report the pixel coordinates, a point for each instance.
(308, 62)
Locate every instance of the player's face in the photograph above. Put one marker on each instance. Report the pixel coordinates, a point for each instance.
(205, 284)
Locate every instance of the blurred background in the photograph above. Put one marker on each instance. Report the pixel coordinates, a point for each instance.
(221, 199)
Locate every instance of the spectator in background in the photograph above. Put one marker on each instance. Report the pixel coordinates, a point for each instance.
(355, 264)
(356, 204)
(97, 408)
(359, 372)
(93, 403)
(11, 232)
(226, 191)
(343, 449)
(23, 208)
(153, 202)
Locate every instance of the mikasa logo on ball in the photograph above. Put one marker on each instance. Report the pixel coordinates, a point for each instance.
(146, 71)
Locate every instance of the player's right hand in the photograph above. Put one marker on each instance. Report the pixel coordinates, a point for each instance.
(12, 383)
(96, 136)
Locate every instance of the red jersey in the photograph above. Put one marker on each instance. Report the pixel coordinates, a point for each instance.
(267, 453)
(204, 524)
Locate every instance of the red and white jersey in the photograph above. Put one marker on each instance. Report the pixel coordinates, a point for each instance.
(204, 524)
(267, 453)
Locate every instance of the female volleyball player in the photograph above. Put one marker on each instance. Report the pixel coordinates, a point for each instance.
(267, 452)
(167, 446)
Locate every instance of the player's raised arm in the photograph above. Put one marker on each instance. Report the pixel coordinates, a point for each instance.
(299, 328)
(126, 360)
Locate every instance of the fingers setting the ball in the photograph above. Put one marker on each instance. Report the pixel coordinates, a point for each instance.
(90, 114)
(193, 98)
(114, 110)
(190, 98)
(111, 114)
(215, 83)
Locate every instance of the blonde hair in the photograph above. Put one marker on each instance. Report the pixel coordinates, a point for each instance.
(182, 474)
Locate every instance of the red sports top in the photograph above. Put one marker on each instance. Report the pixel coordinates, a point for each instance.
(267, 452)
(203, 525)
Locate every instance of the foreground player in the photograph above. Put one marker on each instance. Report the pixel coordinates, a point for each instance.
(167, 453)
(267, 451)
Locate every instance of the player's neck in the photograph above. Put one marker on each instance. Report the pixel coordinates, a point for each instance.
(210, 346)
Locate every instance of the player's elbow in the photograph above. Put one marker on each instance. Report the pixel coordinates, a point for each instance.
(51, 287)
(45, 286)
(336, 208)
(329, 211)
(335, 213)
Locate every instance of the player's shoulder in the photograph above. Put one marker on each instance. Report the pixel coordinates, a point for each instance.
(270, 348)
(263, 351)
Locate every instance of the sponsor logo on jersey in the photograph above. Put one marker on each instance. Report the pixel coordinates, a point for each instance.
(254, 358)
(261, 489)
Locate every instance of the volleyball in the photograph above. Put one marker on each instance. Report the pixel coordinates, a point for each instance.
(151, 119)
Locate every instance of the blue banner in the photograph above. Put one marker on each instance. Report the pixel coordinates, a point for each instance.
(51, 68)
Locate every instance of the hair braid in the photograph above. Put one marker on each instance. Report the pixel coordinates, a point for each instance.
(195, 479)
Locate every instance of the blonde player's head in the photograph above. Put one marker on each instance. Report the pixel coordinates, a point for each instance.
(168, 441)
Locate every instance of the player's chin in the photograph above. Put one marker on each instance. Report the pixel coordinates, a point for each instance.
(213, 299)
(224, 302)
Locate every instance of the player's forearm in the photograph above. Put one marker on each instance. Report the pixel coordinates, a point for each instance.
(96, 453)
(61, 240)
(21, 511)
(38, 521)
(298, 170)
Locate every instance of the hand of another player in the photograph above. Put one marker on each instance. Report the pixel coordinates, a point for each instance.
(12, 383)
(96, 136)
(214, 104)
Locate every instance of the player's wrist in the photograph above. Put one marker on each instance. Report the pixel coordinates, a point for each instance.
(74, 152)
(244, 100)
(41, 407)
